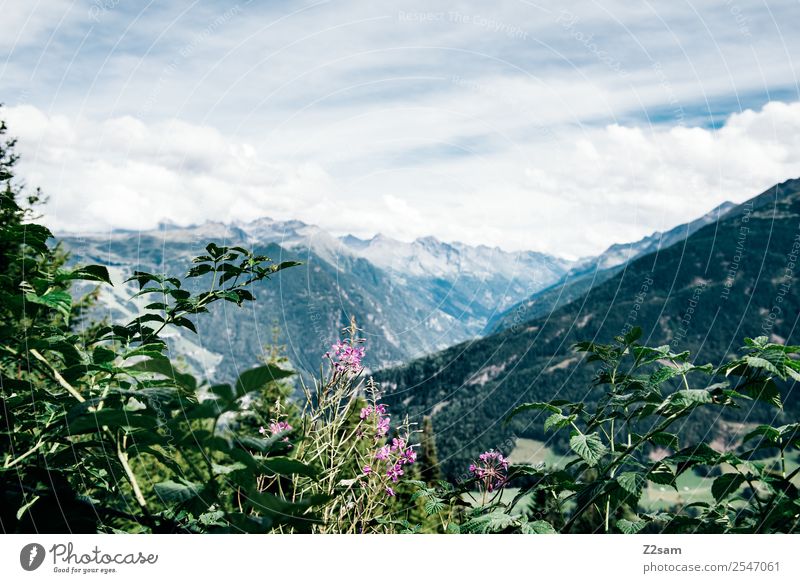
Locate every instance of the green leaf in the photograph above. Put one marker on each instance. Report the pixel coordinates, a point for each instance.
(762, 363)
(487, 523)
(661, 473)
(164, 367)
(633, 335)
(175, 493)
(224, 469)
(263, 444)
(630, 527)
(153, 350)
(102, 355)
(215, 251)
(185, 323)
(725, 485)
(94, 421)
(683, 400)
(256, 378)
(199, 270)
(538, 527)
(632, 482)
(434, 505)
(213, 518)
(531, 407)
(57, 300)
(87, 273)
(286, 467)
(770, 434)
(589, 447)
(701, 454)
(665, 439)
(765, 390)
(25, 507)
(558, 421)
(285, 265)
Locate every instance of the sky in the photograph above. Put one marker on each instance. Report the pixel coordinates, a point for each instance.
(560, 127)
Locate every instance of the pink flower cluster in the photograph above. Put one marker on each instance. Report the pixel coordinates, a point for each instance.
(346, 356)
(491, 470)
(394, 455)
(275, 428)
(382, 419)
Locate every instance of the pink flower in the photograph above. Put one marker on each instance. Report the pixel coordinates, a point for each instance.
(383, 453)
(277, 427)
(262, 431)
(394, 472)
(346, 356)
(409, 456)
(383, 425)
(367, 470)
(366, 412)
(398, 444)
(492, 470)
(389, 491)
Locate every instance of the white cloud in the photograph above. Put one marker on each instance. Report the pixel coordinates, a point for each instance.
(572, 194)
(556, 126)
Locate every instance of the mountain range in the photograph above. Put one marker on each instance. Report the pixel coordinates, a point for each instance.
(409, 298)
(592, 271)
(731, 277)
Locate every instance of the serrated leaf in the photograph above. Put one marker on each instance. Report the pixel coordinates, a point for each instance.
(770, 434)
(725, 485)
(434, 506)
(763, 363)
(60, 301)
(487, 523)
(632, 482)
(538, 527)
(665, 439)
(589, 447)
(764, 390)
(630, 527)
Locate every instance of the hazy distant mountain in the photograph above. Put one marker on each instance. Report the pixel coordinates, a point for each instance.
(592, 271)
(732, 278)
(410, 298)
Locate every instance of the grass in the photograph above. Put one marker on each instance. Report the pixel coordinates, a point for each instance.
(534, 452)
(695, 488)
(692, 487)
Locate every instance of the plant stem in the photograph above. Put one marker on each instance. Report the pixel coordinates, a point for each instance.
(612, 464)
(61, 380)
(122, 456)
(32, 450)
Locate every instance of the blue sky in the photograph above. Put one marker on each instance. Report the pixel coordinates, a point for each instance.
(556, 126)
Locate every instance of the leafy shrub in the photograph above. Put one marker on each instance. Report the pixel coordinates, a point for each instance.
(83, 412)
(601, 488)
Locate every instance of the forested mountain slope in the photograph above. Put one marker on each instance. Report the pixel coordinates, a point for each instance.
(730, 279)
